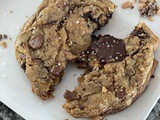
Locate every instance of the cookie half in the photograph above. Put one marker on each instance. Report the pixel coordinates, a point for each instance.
(119, 71)
(56, 34)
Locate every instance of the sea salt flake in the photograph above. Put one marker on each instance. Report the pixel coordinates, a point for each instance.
(77, 22)
(116, 58)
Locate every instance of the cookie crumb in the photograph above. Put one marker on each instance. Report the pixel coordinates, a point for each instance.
(127, 4)
(68, 95)
(150, 18)
(158, 12)
(147, 8)
(1, 36)
(3, 44)
(5, 36)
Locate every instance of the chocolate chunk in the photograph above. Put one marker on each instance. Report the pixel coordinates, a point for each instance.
(56, 70)
(108, 49)
(68, 95)
(5, 36)
(120, 93)
(140, 33)
(152, 76)
(23, 66)
(36, 42)
(1, 36)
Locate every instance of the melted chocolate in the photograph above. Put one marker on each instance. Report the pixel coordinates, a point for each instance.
(108, 49)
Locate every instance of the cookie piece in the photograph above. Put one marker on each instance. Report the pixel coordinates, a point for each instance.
(110, 86)
(56, 34)
(148, 8)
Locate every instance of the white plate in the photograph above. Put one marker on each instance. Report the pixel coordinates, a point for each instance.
(15, 88)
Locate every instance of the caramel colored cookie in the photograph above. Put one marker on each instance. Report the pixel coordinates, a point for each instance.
(113, 83)
(56, 34)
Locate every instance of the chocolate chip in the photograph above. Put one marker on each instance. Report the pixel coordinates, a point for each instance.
(56, 70)
(81, 107)
(140, 33)
(23, 66)
(109, 15)
(132, 7)
(1, 36)
(5, 36)
(120, 93)
(108, 49)
(36, 42)
(88, 15)
(153, 76)
(68, 95)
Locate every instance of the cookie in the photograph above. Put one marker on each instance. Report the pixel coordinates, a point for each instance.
(117, 74)
(55, 35)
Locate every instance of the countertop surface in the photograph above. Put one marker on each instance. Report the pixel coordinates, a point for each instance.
(7, 114)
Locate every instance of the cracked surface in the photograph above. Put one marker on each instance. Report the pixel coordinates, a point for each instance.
(111, 87)
(56, 34)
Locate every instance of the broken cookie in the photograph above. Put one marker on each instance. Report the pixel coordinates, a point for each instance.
(113, 84)
(56, 34)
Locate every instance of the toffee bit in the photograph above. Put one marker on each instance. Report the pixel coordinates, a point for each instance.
(104, 90)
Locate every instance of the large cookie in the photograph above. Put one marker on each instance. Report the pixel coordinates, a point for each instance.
(119, 71)
(56, 34)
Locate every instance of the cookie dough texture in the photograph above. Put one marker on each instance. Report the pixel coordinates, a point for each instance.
(111, 87)
(56, 34)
